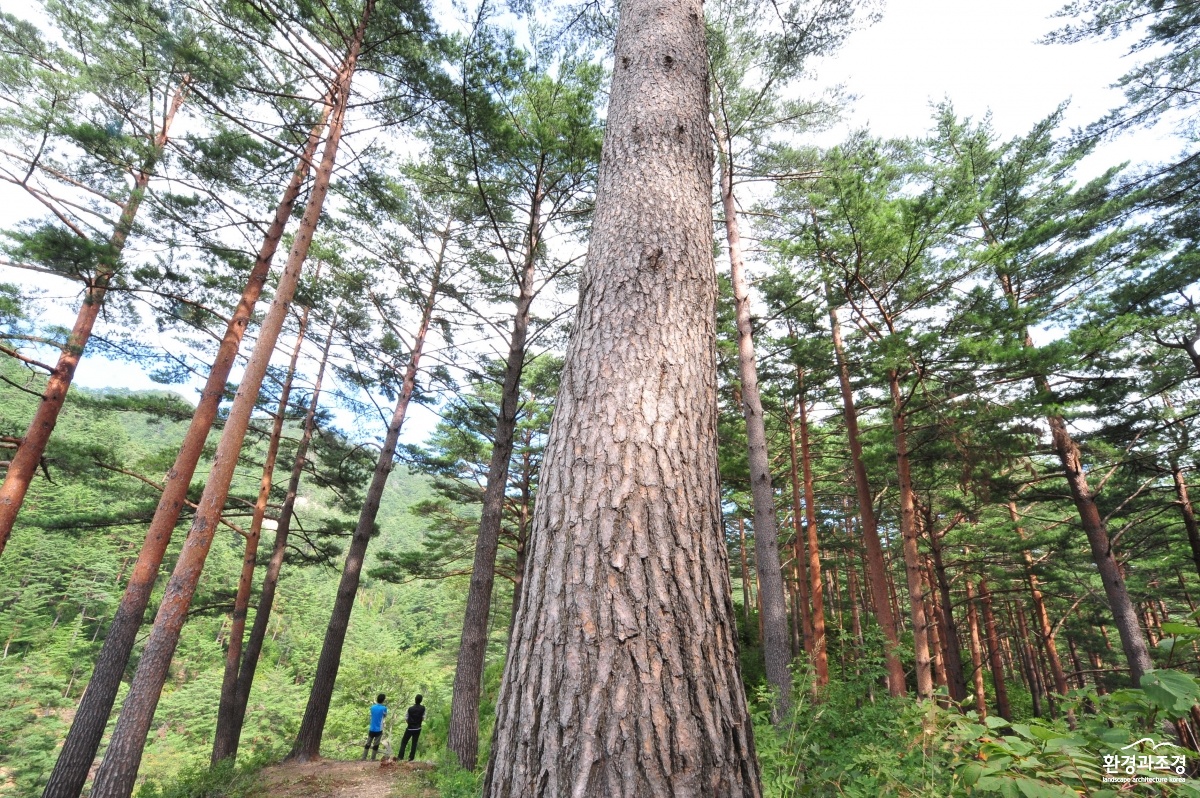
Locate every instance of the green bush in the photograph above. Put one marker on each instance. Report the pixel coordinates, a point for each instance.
(225, 780)
(834, 742)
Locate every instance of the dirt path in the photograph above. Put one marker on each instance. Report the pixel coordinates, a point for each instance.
(333, 779)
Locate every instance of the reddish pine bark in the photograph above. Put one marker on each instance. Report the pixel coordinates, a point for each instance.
(994, 657)
(976, 652)
(816, 592)
(956, 680)
(266, 597)
(91, 717)
(908, 533)
(27, 458)
(115, 777)
(877, 570)
(225, 739)
(1188, 513)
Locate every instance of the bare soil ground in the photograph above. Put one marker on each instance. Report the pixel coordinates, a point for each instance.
(330, 778)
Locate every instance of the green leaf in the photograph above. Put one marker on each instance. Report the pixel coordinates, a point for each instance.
(970, 773)
(1180, 629)
(1171, 691)
(994, 722)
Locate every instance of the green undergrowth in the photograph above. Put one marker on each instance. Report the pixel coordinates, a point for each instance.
(223, 780)
(837, 742)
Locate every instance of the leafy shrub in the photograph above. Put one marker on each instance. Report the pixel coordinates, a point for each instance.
(224, 780)
(835, 742)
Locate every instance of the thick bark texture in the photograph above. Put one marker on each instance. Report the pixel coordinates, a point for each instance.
(876, 568)
(463, 736)
(117, 772)
(908, 533)
(28, 456)
(75, 760)
(622, 677)
(776, 649)
(308, 740)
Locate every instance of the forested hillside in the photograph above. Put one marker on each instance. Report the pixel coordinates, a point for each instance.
(61, 583)
(573, 367)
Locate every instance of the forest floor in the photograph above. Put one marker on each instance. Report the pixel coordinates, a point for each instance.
(336, 779)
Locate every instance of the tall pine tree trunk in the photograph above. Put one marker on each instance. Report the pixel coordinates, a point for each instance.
(117, 772)
(776, 650)
(816, 592)
(908, 534)
(956, 680)
(1040, 611)
(622, 677)
(976, 652)
(877, 570)
(266, 597)
(995, 660)
(1189, 514)
(91, 717)
(1133, 641)
(308, 740)
(225, 739)
(32, 446)
(463, 735)
(803, 621)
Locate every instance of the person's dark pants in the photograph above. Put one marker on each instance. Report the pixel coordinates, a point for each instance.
(409, 734)
(372, 737)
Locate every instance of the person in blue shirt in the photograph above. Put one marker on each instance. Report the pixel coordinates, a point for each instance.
(378, 713)
(412, 731)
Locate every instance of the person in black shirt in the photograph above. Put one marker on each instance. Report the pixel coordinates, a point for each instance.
(412, 731)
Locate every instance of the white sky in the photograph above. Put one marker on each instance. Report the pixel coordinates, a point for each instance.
(980, 55)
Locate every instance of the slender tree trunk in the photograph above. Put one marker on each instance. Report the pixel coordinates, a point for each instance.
(776, 652)
(115, 777)
(1040, 612)
(1036, 688)
(745, 575)
(522, 537)
(225, 739)
(804, 619)
(936, 628)
(307, 746)
(91, 717)
(1098, 672)
(816, 595)
(622, 677)
(955, 678)
(909, 533)
(994, 659)
(1076, 664)
(28, 456)
(266, 596)
(1189, 515)
(1133, 642)
(976, 652)
(463, 735)
(870, 533)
